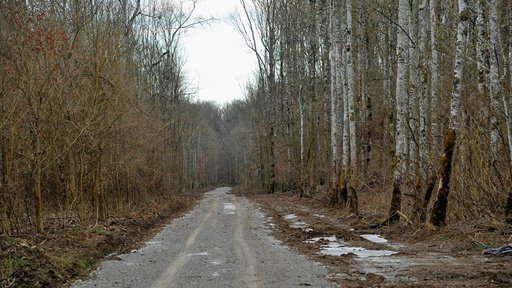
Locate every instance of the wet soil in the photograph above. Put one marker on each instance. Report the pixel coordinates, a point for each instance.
(450, 257)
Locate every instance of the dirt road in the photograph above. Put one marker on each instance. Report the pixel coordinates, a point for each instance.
(224, 242)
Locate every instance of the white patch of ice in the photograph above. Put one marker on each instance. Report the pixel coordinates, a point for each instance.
(299, 224)
(295, 222)
(319, 216)
(316, 239)
(215, 263)
(229, 208)
(374, 238)
(336, 249)
(198, 254)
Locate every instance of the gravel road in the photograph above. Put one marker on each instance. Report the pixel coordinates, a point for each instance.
(224, 242)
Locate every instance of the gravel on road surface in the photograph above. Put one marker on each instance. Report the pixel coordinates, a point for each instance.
(224, 242)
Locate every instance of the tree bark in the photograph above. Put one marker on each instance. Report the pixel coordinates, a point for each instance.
(438, 216)
(401, 112)
(349, 40)
(336, 66)
(495, 78)
(507, 104)
(434, 74)
(481, 50)
(424, 153)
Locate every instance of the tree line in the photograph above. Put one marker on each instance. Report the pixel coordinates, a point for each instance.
(410, 98)
(96, 113)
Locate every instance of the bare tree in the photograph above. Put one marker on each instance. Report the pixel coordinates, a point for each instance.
(401, 112)
(438, 216)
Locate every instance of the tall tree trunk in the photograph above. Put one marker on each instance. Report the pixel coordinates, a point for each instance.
(414, 89)
(364, 95)
(352, 195)
(424, 153)
(481, 50)
(336, 66)
(401, 112)
(438, 216)
(495, 86)
(507, 104)
(434, 74)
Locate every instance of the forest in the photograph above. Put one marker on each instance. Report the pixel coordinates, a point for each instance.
(403, 101)
(96, 112)
(397, 110)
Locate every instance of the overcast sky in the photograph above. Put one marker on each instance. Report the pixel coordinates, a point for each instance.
(217, 61)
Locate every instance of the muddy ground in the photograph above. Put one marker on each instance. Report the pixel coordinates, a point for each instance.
(450, 257)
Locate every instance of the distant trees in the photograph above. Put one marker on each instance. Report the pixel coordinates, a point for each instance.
(95, 116)
(362, 90)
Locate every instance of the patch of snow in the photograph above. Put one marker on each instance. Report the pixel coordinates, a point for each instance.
(290, 216)
(296, 223)
(336, 247)
(229, 208)
(316, 239)
(215, 263)
(338, 250)
(215, 274)
(374, 238)
(198, 254)
(319, 216)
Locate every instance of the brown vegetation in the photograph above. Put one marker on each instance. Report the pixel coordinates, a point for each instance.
(408, 70)
(95, 118)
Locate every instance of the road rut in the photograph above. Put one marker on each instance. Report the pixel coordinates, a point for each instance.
(224, 242)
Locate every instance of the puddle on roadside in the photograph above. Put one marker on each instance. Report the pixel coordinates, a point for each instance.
(399, 267)
(338, 250)
(336, 247)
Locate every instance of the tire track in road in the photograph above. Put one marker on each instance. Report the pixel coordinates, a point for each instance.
(169, 274)
(248, 276)
(223, 242)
